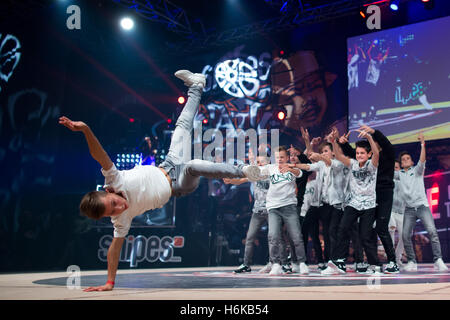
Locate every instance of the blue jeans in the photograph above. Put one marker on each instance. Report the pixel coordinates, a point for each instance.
(186, 173)
(288, 215)
(409, 221)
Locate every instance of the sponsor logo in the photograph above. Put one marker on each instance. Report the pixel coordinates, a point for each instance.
(140, 248)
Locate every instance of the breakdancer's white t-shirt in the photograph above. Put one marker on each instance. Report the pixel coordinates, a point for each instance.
(144, 187)
(283, 189)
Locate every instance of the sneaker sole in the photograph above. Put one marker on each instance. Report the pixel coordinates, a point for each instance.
(335, 267)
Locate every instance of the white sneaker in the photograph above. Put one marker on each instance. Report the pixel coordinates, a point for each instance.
(296, 268)
(439, 265)
(373, 269)
(303, 268)
(267, 268)
(329, 271)
(190, 79)
(252, 172)
(276, 270)
(411, 266)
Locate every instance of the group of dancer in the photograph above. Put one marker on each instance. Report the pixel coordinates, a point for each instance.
(358, 195)
(129, 193)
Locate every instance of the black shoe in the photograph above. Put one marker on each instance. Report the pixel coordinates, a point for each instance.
(392, 267)
(322, 266)
(338, 265)
(242, 269)
(286, 268)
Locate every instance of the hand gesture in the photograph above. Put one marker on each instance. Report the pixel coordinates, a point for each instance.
(305, 134)
(364, 134)
(227, 180)
(72, 125)
(285, 167)
(367, 129)
(344, 139)
(293, 151)
(106, 287)
(316, 141)
(314, 156)
(420, 137)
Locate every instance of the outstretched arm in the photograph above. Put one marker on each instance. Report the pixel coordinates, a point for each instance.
(423, 155)
(113, 263)
(95, 148)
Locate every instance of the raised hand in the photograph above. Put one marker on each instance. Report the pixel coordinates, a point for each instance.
(364, 134)
(421, 137)
(72, 125)
(367, 129)
(344, 138)
(316, 141)
(305, 134)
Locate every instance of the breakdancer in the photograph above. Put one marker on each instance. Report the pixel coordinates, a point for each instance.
(130, 193)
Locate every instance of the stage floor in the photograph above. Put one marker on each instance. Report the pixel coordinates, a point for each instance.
(219, 283)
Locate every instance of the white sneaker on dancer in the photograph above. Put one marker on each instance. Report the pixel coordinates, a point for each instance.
(439, 265)
(329, 271)
(411, 266)
(276, 270)
(252, 172)
(190, 78)
(295, 268)
(303, 268)
(267, 268)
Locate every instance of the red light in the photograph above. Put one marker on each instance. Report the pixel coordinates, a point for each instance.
(281, 52)
(425, 0)
(181, 99)
(131, 120)
(362, 14)
(169, 121)
(281, 115)
(205, 121)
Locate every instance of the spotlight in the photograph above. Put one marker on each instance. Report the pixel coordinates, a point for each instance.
(169, 121)
(394, 5)
(131, 120)
(181, 100)
(281, 115)
(127, 23)
(205, 121)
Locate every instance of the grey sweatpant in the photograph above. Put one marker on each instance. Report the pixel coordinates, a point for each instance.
(186, 173)
(288, 215)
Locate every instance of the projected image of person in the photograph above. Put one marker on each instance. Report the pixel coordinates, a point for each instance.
(352, 67)
(299, 84)
(130, 193)
(373, 71)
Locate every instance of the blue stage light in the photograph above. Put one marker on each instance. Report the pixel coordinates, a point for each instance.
(394, 5)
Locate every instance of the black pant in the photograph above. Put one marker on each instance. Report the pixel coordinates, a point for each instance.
(324, 214)
(310, 227)
(382, 217)
(336, 217)
(366, 220)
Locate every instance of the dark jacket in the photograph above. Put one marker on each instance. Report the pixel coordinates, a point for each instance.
(301, 182)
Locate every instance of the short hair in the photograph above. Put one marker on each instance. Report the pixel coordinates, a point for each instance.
(92, 206)
(281, 148)
(324, 144)
(402, 154)
(364, 144)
